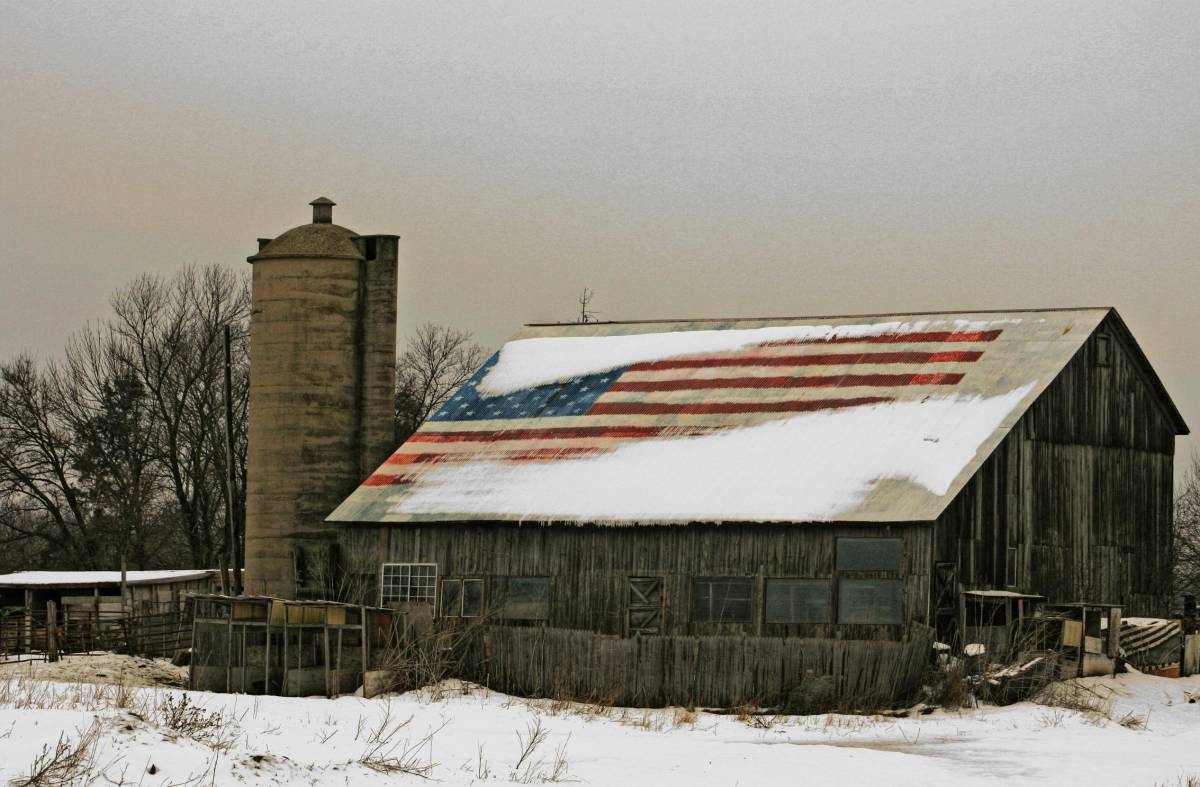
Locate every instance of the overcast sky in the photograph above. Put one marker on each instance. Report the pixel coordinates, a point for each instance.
(682, 159)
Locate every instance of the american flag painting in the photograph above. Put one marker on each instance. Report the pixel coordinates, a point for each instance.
(703, 385)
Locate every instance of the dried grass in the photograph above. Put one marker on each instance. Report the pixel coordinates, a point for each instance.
(67, 764)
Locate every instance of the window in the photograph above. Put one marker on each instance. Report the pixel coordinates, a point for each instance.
(797, 601)
(462, 598)
(722, 599)
(872, 601)
(864, 596)
(408, 582)
(522, 598)
(451, 598)
(1010, 567)
(868, 554)
(1103, 350)
(472, 600)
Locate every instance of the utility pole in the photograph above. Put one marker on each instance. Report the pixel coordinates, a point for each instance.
(235, 553)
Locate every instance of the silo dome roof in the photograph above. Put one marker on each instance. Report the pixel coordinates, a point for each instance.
(326, 241)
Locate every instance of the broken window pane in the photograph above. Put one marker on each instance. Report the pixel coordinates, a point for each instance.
(868, 554)
(472, 598)
(522, 598)
(722, 599)
(451, 598)
(879, 601)
(797, 601)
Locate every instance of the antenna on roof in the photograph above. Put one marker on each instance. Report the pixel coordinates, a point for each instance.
(584, 299)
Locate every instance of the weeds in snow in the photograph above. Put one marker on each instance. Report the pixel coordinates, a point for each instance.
(187, 720)
(529, 770)
(67, 764)
(387, 752)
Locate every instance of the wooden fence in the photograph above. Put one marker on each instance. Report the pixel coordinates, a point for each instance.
(25, 634)
(654, 671)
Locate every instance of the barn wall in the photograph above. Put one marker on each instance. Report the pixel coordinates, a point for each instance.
(590, 566)
(1082, 488)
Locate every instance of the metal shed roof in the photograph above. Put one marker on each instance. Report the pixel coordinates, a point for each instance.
(878, 418)
(76, 579)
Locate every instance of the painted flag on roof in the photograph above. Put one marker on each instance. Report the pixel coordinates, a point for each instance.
(551, 425)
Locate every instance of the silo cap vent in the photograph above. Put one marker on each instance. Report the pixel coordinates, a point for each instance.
(322, 210)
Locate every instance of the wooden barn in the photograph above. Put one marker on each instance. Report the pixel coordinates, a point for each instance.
(842, 478)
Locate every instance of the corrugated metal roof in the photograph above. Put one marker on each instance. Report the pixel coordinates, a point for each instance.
(853, 419)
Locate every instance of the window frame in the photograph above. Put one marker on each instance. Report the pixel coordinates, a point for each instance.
(750, 580)
(845, 578)
(846, 583)
(1104, 351)
(461, 610)
(500, 601)
(434, 598)
(829, 601)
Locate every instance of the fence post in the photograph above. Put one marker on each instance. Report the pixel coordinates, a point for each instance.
(51, 631)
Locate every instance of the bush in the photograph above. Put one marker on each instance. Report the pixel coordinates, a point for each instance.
(816, 694)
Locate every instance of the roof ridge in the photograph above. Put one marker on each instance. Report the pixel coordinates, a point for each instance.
(824, 316)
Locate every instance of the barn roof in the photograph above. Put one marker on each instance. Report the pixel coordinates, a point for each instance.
(72, 579)
(879, 418)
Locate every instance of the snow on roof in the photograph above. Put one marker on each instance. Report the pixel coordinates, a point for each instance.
(878, 419)
(90, 578)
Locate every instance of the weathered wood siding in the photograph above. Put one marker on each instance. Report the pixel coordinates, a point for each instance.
(589, 566)
(1082, 488)
(726, 672)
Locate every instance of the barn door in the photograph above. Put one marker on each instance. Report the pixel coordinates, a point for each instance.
(644, 614)
(945, 603)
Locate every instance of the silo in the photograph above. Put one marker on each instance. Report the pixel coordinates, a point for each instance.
(322, 375)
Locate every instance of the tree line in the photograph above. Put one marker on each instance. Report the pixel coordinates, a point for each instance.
(116, 450)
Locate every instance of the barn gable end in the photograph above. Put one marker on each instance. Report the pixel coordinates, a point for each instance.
(1076, 502)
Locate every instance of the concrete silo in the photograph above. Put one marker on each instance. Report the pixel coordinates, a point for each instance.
(322, 375)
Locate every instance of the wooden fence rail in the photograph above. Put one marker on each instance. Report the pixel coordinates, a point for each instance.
(24, 633)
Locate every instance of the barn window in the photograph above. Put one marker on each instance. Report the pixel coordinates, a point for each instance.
(797, 601)
(408, 582)
(1103, 350)
(522, 598)
(462, 598)
(451, 598)
(722, 599)
(1010, 567)
(871, 601)
(868, 554)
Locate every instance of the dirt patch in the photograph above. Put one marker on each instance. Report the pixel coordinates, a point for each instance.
(104, 668)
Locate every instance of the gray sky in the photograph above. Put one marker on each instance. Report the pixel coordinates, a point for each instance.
(682, 159)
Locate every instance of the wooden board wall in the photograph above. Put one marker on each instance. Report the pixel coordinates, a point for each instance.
(590, 566)
(1082, 487)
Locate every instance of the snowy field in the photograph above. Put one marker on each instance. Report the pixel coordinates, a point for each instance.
(1139, 731)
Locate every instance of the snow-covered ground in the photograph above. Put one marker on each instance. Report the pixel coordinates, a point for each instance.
(1142, 731)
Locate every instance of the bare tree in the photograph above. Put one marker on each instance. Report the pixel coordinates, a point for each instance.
(170, 336)
(40, 494)
(1186, 547)
(119, 450)
(435, 363)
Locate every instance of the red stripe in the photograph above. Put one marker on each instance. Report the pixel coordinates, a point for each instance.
(557, 433)
(898, 338)
(835, 359)
(815, 381)
(716, 408)
(383, 479)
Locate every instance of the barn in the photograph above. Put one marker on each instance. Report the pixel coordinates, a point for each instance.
(838, 478)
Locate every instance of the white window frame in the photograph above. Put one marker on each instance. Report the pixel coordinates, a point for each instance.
(406, 582)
